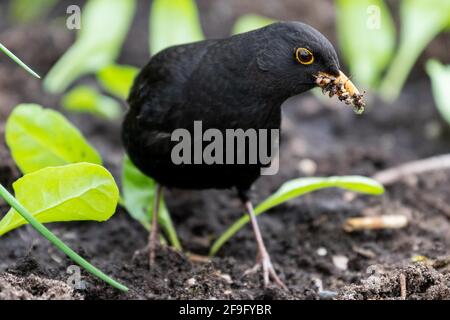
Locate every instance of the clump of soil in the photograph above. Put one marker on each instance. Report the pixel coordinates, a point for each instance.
(422, 282)
(33, 287)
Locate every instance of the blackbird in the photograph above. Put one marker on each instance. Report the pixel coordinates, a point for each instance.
(238, 82)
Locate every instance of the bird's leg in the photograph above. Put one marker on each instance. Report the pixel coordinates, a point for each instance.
(153, 238)
(263, 259)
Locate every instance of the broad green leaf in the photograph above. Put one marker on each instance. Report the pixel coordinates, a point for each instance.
(366, 34)
(18, 61)
(86, 99)
(296, 188)
(117, 79)
(138, 193)
(440, 80)
(75, 192)
(250, 22)
(25, 11)
(173, 22)
(40, 138)
(105, 24)
(421, 22)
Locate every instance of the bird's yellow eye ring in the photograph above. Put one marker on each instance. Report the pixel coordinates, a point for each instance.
(304, 56)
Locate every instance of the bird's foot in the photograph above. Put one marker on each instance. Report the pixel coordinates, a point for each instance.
(152, 246)
(269, 273)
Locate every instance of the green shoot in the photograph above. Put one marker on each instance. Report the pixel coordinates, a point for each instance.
(366, 34)
(421, 22)
(296, 188)
(86, 99)
(9, 198)
(40, 138)
(250, 22)
(18, 61)
(105, 26)
(440, 80)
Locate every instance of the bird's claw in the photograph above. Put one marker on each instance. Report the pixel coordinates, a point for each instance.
(269, 273)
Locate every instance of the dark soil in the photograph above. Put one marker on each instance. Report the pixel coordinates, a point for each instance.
(315, 257)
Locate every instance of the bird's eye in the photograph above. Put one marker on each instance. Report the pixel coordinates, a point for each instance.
(304, 56)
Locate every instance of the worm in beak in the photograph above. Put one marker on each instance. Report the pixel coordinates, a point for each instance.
(343, 88)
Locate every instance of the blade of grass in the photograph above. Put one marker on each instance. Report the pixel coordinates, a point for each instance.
(9, 198)
(18, 61)
(296, 188)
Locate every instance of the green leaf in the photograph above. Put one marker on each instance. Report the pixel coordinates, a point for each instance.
(105, 24)
(86, 99)
(440, 80)
(421, 22)
(18, 61)
(138, 193)
(75, 192)
(40, 138)
(296, 188)
(366, 34)
(25, 11)
(250, 22)
(117, 79)
(173, 22)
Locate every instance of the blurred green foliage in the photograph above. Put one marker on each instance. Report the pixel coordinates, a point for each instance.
(421, 21)
(25, 11)
(173, 22)
(105, 25)
(440, 80)
(368, 44)
(88, 100)
(117, 79)
(250, 22)
(366, 34)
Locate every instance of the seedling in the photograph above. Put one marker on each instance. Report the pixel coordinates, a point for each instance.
(46, 233)
(440, 80)
(296, 188)
(49, 201)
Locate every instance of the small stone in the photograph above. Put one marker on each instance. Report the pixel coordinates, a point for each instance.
(307, 167)
(327, 295)
(226, 278)
(191, 282)
(340, 262)
(322, 252)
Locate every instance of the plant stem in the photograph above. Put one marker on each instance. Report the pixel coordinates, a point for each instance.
(18, 61)
(9, 198)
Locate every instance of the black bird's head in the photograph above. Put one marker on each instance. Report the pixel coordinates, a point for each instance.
(293, 56)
